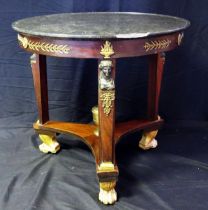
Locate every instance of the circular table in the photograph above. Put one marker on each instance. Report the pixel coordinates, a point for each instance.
(105, 36)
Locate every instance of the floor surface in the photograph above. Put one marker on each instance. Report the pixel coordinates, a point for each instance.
(172, 177)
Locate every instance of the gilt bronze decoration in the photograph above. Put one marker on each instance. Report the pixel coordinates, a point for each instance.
(107, 193)
(95, 119)
(180, 38)
(157, 44)
(45, 47)
(107, 97)
(32, 59)
(148, 140)
(106, 166)
(49, 143)
(106, 81)
(107, 49)
(106, 84)
(106, 36)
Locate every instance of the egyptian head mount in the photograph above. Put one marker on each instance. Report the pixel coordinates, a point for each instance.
(106, 81)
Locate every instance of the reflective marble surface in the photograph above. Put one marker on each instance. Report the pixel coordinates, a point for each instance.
(98, 25)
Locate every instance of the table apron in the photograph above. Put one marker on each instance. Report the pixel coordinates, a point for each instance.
(115, 48)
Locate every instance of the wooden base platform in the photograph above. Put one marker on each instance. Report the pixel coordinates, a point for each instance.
(86, 131)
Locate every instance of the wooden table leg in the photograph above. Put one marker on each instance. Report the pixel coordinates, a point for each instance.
(107, 170)
(156, 67)
(39, 71)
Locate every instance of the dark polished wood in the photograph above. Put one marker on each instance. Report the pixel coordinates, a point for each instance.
(86, 131)
(106, 126)
(38, 64)
(156, 67)
(147, 34)
(91, 48)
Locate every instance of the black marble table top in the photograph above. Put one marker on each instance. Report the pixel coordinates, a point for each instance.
(98, 25)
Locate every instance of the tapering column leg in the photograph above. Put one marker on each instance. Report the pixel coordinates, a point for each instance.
(39, 71)
(107, 170)
(156, 67)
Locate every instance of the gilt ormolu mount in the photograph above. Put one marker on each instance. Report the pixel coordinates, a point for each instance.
(105, 36)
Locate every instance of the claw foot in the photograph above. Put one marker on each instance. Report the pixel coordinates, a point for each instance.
(148, 140)
(106, 195)
(49, 144)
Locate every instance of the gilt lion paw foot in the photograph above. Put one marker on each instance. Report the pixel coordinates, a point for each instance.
(108, 197)
(148, 140)
(49, 144)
